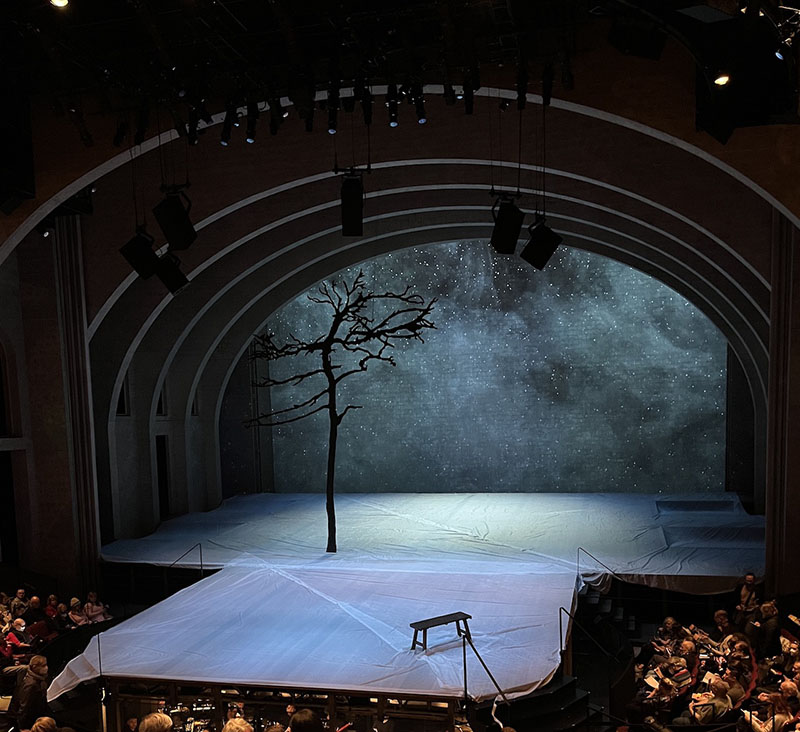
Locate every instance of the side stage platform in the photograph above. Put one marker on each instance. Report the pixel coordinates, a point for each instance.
(284, 614)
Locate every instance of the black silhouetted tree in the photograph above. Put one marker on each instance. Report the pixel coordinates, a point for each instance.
(365, 326)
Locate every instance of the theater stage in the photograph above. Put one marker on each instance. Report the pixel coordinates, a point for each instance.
(283, 613)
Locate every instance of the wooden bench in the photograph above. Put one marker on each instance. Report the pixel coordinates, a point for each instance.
(423, 625)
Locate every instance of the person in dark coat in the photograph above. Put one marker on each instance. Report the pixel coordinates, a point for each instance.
(29, 701)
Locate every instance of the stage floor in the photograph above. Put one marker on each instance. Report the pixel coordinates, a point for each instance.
(284, 613)
(699, 544)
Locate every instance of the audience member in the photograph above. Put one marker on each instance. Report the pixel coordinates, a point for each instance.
(776, 716)
(306, 721)
(29, 701)
(51, 609)
(76, 614)
(18, 604)
(237, 724)
(18, 636)
(747, 601)
(35, 612)
(94, 610)
(156, 722)
(44, 724)
(708, 706)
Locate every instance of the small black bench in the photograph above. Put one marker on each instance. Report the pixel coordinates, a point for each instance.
(423, 625)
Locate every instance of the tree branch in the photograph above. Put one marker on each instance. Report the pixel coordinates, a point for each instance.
(265, 421)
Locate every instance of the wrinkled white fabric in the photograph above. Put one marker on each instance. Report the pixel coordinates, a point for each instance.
(284, 613)
(333, 626)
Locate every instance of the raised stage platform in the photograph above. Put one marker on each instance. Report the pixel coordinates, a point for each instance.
(284, 614)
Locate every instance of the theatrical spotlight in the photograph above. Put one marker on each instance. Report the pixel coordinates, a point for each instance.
(542, 243)
(59, 3)
(231, 118)
(392, 104)
(169, 272)
(418, 98)
(173, 218)
(252, 121)
(333, 107)
(352, 204)
(507, 225)
(140, 255)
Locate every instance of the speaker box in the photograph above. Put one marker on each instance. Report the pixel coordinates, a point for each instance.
(173, 218)
(541, 246)
(140, 255)
(507, 225)
(352, 205)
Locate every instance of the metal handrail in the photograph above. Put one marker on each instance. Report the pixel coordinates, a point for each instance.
(191, 548)
(589, 554)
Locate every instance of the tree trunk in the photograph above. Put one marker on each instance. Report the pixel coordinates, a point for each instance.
(334, 431)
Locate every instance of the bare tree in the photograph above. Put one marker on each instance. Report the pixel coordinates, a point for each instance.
(365, 326)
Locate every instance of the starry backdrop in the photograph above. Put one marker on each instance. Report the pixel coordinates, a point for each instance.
(588, 376)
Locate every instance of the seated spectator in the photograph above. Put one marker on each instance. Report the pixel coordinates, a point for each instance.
(156, 722)
(62, 619)
(94, 610)
(76, 614)
(776, 716)
(5, 622)
(723, 626)
(675, 670)
(35, 612)
(736, 691)
(29, 701)
(788, 691)
(237, 724)
(277, 727)
(44, 724)
(51, 609)
(18, 636)
(305, 721)
(708, 706)
(18, 604)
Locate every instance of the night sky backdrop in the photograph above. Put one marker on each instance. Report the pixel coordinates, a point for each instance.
(588, 376)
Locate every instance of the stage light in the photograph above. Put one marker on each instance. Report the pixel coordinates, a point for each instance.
(392, 105)
(173, 218)
(352, 204)
(227, 126)
(59, 3)
(140, 255)
(252, 121)
(421, 116)
(507, 225)
(168, 271)
(722, 80)
(779, 54)
(542, 244)
(333, 106)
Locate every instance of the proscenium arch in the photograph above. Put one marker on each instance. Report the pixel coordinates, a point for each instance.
(746, 292)
(483, 224)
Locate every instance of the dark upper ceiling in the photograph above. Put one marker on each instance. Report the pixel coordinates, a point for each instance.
(116, 56)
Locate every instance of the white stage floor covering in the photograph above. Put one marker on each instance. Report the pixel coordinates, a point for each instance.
(344, 627)
(285, 614)
(693, 543)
